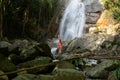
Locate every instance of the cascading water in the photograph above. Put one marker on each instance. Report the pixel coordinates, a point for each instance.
(73, 21)
(72, 24)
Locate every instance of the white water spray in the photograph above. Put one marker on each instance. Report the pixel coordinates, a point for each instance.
(73, 21)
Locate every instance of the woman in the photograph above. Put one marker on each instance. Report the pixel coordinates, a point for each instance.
(59, 47)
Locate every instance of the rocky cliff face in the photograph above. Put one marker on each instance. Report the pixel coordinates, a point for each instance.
(93, 12)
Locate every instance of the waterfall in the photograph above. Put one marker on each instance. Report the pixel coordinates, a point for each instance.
(73, 21)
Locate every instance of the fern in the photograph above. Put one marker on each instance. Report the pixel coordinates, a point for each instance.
(117, 73)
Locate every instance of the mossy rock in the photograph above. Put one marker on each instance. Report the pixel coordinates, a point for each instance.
(36, 62)
(6, 65)
(29, 53)
(68, 74)
(44, 77)
(65, 65)
(25, 77)
(102, 70)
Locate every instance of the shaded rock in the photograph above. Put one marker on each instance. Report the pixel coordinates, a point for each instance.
(15, 59)
(44, 50)
(18, 45)
(2, 57)
(68, 74)
(29, 53)
(37, 62)
(36, 49)
(102, 69)
(114, 75)
(4, 77)
(4, 47)
(25, 77)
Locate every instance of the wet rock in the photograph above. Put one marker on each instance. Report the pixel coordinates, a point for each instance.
(4, 77)
(68, 74)
(36, 62)
(102, 69)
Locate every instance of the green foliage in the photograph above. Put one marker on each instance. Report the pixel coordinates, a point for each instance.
(115, 75)
(113, 6)
(21, 16)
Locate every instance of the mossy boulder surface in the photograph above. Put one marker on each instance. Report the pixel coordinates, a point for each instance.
(102, 70)
(68, 74)
(5, 64)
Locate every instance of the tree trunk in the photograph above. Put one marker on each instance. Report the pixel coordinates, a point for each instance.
(1, 19)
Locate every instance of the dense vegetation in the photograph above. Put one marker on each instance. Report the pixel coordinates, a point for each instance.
(19, 17)
(113, 6)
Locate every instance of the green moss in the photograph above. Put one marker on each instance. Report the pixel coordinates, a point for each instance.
(6, 65)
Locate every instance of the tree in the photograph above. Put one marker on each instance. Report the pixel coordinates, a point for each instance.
(1, 18)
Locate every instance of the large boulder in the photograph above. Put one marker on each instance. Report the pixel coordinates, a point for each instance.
(68, 74)
(102, 70)
(88, 41)
(44, 50)
(29, 53)
(18, 45)
(36, 49)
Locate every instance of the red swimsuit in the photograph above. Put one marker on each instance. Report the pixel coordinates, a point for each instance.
(59, 45)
